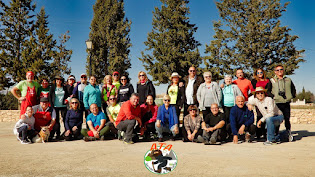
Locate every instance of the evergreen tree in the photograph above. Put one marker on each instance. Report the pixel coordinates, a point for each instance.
(110, 37)
(248, 36)
(171, 46)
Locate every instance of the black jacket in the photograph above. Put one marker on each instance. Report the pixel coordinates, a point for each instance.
(149, 91)
(180, 96)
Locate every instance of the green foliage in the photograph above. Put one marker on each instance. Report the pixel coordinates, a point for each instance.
(110, 37)
(171, 46)
(307, 95)
(25, 44)
(8, 102)
(249, 35)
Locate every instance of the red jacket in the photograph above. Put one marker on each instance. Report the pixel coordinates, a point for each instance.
(128, 111)
(153, 108)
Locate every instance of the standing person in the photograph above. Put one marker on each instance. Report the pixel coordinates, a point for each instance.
(176, 93)
(192, 130)
(79, 90)
(116, 77)
(125, 90)
(144, 87)
(43, 90)
(213, 126)
(92, 94)
(74, 120)
(28, 89)
(108, 89)
(282, 90)
(128, 116)
(272, 115)
(192, 83)
(244, 84)
(58, 96)
(112, 112)
(148, 116)
(24, 128)
(230, 92)
(96, 121)
(241, 120)
(70, 85)
(166, 120)
(208, 93)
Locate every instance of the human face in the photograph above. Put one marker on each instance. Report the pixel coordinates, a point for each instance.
(193, 112)
(142, 76)
(175, 80)
(192, 71)
(74, 104)
(112, 100)
(240, 101)
(228, 81)
(260, 74)
(108, 81)
(83, 78)
(279, 71)
(123, 80)
(149, 100)
(134, 100)
(207, 78)
(45, 83)
(166, 101)
(260, 95)
(93, 81)
(29, 111)
(71, 81)
(240, 74)
(58, 82)
(214, 109)
(44, 105)
(116, 77)
(94, 109)
(29, 77)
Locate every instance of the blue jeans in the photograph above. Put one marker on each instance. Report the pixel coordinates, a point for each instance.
(271, 123)
(165, 128)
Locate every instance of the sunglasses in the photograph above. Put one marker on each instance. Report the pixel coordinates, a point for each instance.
(141, 75)
(115, 74)
(279, 70)
(260, 93)
(167, 100)
(207, 76)
(74, 103)
(192, 70)
(112, 99)
(193, 110)
(83, 76)
(260, 73)
(123, 79)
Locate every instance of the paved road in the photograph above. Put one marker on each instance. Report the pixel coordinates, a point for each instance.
(113, 158)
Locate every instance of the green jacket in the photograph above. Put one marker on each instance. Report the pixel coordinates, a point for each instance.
(284, 85)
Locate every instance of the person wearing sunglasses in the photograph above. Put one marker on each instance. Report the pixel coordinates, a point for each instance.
(78, 91)
(145, 87)
(116, 77)
(73, 122)
(272, 115)
(282, 90)
(166, 120)
(176, 93)
(244, 84)
(112, 112)
(192, 127)
(125, 90)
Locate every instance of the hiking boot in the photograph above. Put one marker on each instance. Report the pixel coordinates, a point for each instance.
(200, 139)
(290, 136)
(213, 140)
(89, 138)
(102, 138)
(25, 142)
(268, 143)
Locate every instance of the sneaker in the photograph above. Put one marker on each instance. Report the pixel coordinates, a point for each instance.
(18, 138)
(247, 137)
(200, 139)
(89, 138)
(213, 140)
(102, 138)
(128, 142)
(24, 142)
(206, 142)
(290, 136)
(268, 143)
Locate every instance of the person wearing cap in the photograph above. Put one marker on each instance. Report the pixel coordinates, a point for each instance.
(28, 89)
(79, 90)
(176, 93)
(192, 128)
(108, 89)
(213, 126)
(70, 85)
(116, 79)
(125, 90)
(58, 99)
(241, 119)
(272, 115)
(166, 120)
(44, 115)
(92, 94)
(208, 92)
(145, 87)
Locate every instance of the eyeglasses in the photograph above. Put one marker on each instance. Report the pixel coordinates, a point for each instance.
(167, 100)
(260, 73)
(260, 93)
(193, 110)
(215, 108)
(207, 76)
(74, 103)
(192, 70)
(279, 70)
(112, 99)
(141, 75)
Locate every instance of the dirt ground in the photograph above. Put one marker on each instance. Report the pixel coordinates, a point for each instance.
(113, 158)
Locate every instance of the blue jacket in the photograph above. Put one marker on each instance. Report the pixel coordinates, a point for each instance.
(92, 94)
(162, 118)
(239, 117)
(73, 118)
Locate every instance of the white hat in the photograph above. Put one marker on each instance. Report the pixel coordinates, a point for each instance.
(259, 89)
(175, 74)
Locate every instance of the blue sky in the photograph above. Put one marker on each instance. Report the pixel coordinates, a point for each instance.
(76, 16)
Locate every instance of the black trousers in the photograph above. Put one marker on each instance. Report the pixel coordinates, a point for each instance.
(185, 135)
(56, 128)
(250, 129)
(206, 112)
(128, 127)
(262, 130)
(286, 110)
(74, 135)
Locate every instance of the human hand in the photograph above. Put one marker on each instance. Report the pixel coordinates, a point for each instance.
(189, 137)
(259, 123)
(211, 129)
(222, 85)
(158, 124)
(181, 84)
(250, 107)
(96, 134)
(67, 133)
(235, 139)
(176, 130)
(74, 128)
(241, 130)
(22, 98)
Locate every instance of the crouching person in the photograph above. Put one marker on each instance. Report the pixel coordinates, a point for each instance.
(241, 120)
(112, 112)
(166, 120)
(96, 122)
(212, 126)
(272, 115)
(129, 117)
(24, 128)
(73, 122)
(192, 130)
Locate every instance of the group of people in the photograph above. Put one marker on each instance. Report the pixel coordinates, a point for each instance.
(212, 113)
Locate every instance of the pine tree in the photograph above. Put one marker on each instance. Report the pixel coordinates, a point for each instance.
(248, 36)
(171, 46)
(110, 37)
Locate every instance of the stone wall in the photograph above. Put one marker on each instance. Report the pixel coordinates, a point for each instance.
(298, 116)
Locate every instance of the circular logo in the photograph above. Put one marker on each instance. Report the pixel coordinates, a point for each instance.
(160, 161)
